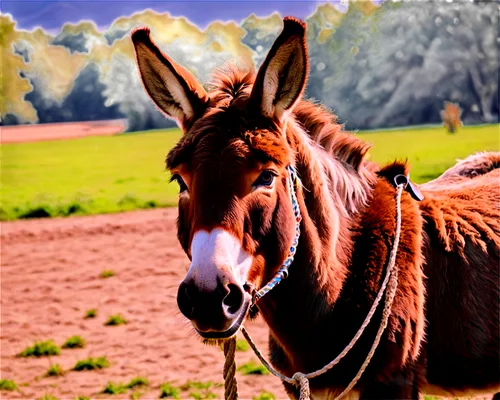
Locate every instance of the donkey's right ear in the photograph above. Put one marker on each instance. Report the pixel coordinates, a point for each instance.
(173, 89)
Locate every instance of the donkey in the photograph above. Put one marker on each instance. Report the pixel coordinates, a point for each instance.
(241, 138)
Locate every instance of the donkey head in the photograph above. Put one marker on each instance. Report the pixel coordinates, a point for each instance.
(236, 221)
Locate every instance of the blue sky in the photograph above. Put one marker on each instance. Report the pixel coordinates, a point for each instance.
(51, 15)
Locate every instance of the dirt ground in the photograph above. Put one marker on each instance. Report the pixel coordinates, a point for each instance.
(70, 130)
(50, 277)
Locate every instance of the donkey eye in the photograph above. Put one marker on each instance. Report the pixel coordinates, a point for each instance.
(182, 185)
(265, 179)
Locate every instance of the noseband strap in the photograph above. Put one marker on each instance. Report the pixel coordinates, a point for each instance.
(293, 184)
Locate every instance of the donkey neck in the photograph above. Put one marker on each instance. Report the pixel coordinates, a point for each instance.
(331, 199)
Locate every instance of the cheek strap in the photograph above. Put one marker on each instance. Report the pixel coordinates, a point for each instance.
(293, 184)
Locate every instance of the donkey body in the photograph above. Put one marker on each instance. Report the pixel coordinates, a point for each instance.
(236, 225)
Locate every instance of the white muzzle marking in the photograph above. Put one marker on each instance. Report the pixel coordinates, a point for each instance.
(216, 252)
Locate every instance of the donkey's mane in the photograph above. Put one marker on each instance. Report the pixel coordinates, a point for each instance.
(340, 153)
(231, 86)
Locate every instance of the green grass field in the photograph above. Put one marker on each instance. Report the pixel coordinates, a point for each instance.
(108, 174)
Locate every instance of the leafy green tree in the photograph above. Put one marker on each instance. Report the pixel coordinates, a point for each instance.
(13, 87)
(261, 33)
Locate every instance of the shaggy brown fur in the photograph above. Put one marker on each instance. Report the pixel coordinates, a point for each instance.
(443, 332)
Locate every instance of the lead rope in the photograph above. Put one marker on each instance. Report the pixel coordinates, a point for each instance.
(300, 379)
(229, 373)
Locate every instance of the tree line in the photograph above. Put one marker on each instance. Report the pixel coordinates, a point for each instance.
(392, 65)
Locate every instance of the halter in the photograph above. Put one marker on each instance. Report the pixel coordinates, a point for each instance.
(293, 184)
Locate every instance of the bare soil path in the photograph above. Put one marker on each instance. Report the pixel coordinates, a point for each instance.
(50, 277)
(60, 130)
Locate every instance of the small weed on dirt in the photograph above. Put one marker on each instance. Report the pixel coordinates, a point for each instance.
(82, 398)
(198, 385)
(48, 397)
(92, 313)
(91, 364)
(252, 368)
(39, 349)
(74, 342)
(55, 370)
(6, 384)
(114, 320)
(203, 395)
(138, 381)
(264, 396)
(107, 273)
(114, 388)
(242, 345)
(201, 389)
(167, 391)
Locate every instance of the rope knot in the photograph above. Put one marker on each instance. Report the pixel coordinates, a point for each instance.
(302, 383)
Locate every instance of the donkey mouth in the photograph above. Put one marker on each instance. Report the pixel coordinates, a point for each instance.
(232, 330)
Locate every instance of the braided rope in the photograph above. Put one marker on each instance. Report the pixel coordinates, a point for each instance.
(229, 372)
(301, 380)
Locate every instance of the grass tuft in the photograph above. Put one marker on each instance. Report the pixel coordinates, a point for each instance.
(198, 385)
(92, 313)
(39, 349)
(55, 370)
(82, 398)
(203, 395)
(114, 388)
(167, 391)
(264, 396)
(242, 345)
(91, 363)
(137, 381)
(48, 397)
(107, 273)
(114, 320)
(6, 384)
(201, 389)
(74, 342)
(252, 368)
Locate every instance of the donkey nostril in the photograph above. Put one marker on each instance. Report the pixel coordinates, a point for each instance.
(185, 301)
(234, 299)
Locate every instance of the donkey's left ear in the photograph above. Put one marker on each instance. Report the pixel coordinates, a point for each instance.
(282, 77)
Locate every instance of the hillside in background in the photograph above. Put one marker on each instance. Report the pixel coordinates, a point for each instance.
(375, 66)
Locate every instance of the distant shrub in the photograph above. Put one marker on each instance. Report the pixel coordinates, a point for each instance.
(55, 370)
(39, 349)
(74, 342)
(114, 320)
(6, 384)
(451, 116)
(37, 212)
(91, 364)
